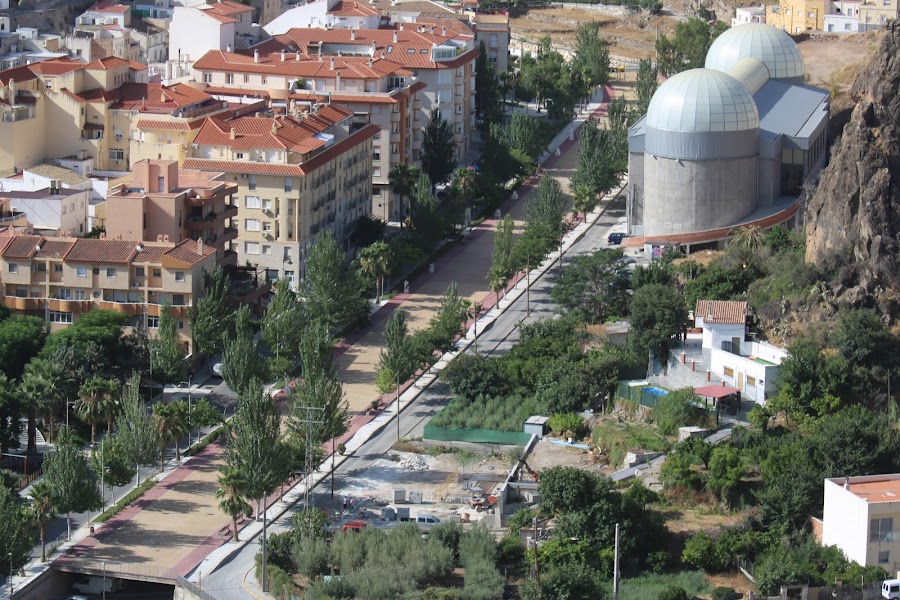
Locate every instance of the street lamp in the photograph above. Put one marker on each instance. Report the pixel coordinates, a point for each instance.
(68, 404)
(12, 589)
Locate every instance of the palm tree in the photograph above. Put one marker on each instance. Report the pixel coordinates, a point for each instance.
(585, 199)
(94, 398)
(375, 261)
(748, 237)
(402, 180)
(38, 387)
(172, 422)
(42, 511)
(232, 496)
(465, 183)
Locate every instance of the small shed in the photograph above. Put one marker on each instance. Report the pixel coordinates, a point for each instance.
(536, 425)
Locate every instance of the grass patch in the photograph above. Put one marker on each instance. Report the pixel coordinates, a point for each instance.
(618, 438)
(652, 586)
(498, 414)
(127, 499)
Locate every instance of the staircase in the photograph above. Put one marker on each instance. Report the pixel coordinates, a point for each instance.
(23, 436)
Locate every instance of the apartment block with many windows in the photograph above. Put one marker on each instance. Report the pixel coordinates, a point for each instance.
(60, 279)
(296, 177)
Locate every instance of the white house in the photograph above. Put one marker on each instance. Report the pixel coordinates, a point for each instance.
(844, 18)
(195, 30)
(106, 13)
(861, 516)
(337, 14)
(749, 366)
(54, 209)
(749, 14)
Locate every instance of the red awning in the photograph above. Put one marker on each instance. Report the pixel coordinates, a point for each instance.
(715, 391)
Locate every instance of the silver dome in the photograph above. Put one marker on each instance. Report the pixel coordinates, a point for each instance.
(702, 100)
(772, 46)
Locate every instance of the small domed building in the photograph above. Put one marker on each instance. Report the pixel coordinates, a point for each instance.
(726, 145)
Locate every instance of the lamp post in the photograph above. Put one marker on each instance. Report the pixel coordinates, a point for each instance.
(12, 589)
(68, 404)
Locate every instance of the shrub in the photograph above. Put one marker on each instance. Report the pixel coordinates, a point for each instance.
(311, 557)
(674, 593)
(701, 551)
(725, 593)
(678, 409)
(564, 423)
(278, 550)
(657, 561)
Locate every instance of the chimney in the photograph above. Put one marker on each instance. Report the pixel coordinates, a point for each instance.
(370, 62)
(846, 483)
(282, 55)
(200, 247)
(332, 63)
(353, 34)
(274, 126)
(443, 31)
(12, 91)
(400, 25)
(162, 98)
(228, 48)
(232, 135)
(256, 56)
(297, 56)
(395, 36)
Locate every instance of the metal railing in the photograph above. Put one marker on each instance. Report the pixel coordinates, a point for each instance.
(194, 589)
(115, 569)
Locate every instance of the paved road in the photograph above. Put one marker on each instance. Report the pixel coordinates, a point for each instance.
(232, 580)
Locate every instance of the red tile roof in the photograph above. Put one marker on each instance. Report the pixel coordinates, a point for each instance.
(101, 251)
(188, 252)
(151, 253)
(156, 98)
(144, 124)
(56, 66)
(726, 312)
(111, 62)
(288, 133)
(300, 65)
(54, 248)
(225, 11)
(353, 9)
(412, 49)
(19, 74)
(22, 246)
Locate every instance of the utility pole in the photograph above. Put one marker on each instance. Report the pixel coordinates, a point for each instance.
(398, 406)
(308, 422)
(616, 567)
(537, 568)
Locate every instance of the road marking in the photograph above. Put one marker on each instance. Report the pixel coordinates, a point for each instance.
(244, 583)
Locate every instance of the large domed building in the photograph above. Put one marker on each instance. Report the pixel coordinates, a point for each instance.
(726, 145)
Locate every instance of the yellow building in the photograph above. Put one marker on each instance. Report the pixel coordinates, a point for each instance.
(798, 16)
(296, 177)
(60, 279)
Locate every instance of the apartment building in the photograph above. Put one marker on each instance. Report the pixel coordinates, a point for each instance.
(861, 516)
(296, 175)
(53, 210)
(61, 278)
(58, 108)
(375, 90)
(165, 203)
(493, 31)
(218, 26)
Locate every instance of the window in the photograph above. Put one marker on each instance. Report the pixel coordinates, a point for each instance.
(251, 224)
(288, 184)
(179, 276)
(229, 78)
(376, 154)
(267, 250)
(111, 272)
(787, 12)
(81, 271)
(57, 268)
(751, 380)
(266, 204)
(60, 317)
(80, 295)
(152, 322)
(887, 2)
(289, 275)
(13, 268)
(178, 299)
(884, 557)
(157, 273)
(116, 154)
(246, 78)
(251, 247)
(65, 294)
(139, 271)
(252, 184)
(267, 226)
(376, 171)
(251, 202)
(207, 78)
(880, 529)
(264, 80)
(729, 372)
(239, 156)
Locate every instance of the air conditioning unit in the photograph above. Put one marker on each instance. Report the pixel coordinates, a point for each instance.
(134, 284)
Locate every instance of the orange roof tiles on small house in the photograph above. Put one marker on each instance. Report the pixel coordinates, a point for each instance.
(186, 254)
(725, 312)
(225, 11)
(54, 248)
(154, 97)
(108, 7)
(101, 251)
(353, 9)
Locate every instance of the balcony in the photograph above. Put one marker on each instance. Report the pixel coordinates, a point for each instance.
(9, 217)
(231, 233)
(16, 303)
(230, 212)
(129, 308)
(395, 137)
(228, 259)
(72, 306)
(203, 222)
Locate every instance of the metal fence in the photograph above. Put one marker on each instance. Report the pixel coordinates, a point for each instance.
(194, 589)
(116, 569)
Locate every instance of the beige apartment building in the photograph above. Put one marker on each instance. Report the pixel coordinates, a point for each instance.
(296, 175)
(376, 91)
(60, 278)
(165, 203)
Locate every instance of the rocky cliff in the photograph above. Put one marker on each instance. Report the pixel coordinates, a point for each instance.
(853, 218)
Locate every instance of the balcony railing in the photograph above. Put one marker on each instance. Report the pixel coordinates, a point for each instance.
(10, 216)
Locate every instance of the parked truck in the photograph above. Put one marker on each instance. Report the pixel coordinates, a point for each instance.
(96, 584)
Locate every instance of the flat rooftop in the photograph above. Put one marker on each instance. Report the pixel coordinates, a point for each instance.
(873, 488)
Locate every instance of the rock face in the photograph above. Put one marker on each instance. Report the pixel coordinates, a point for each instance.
(855, 211)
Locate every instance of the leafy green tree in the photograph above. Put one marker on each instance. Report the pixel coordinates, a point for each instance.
(726, 470)
(654, 273)
(688, 48)
(111, 463)
(172, 422)
(211, 317)
(167, 352)
(487, 87)
(549, 78)
(71, 481)
(595, 286)
(21, 338)
(863, 339)
(396, 361)
(438, 148)
(282, 327)
(41, 511)
(792, 484)
(427, 220)
(547, 205)
(585, 199)
(701, 551)
(241, 362)
(501, 256)
(332, 290)
(807, 374)
(674, 592)
(232, 496)
(678, 409)
(402, 179)
(602, 157)
(12, 408)
(591, 57)
(647, 82)
(324, 391)
(96, 402)
(568, 581)
(204, 414)
(658, 316)
(678, 472)
(376, 262)
(135, 429)
(522, 133)
(316, 350)
(568, 489)
(16, 539)
(566, 423)
(698, 448)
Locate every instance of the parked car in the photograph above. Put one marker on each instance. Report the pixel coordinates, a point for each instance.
(891, 589)
(355, 526)
(616, 238)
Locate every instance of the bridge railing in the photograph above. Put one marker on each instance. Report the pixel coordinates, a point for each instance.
(116, 569)
(194, 589)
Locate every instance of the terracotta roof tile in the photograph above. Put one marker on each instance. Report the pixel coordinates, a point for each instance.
(188, 252)
(156, 98)
(54, 248)
(108, 7)
(56, 66)
(726, 312)
(111, 62)
(306, 67)
(353, 9)
(289, 133)
(145, 124)
(19, 74)
(22, 246)
(101, 251)
(151, 253)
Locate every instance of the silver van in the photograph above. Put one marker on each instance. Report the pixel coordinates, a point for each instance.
(426, 521)
(891, 589)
